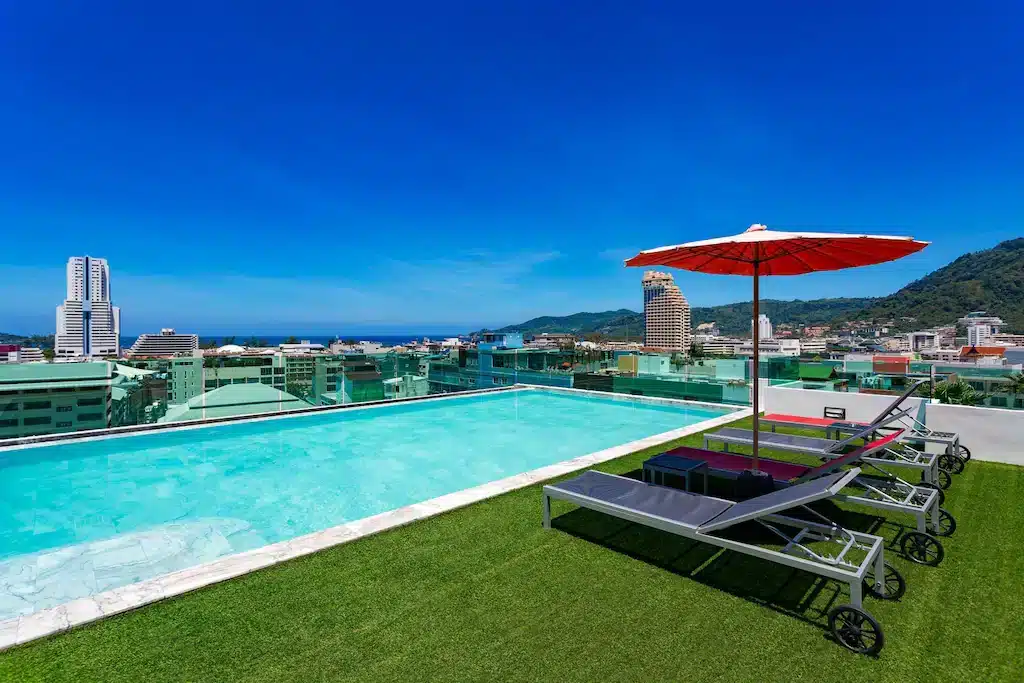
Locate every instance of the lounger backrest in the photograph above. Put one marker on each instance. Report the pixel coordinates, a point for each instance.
(851, 457)
(781, 499)
(893, 417)
(896, 404)
(862, 433)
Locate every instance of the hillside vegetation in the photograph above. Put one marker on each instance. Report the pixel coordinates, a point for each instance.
(991, 280)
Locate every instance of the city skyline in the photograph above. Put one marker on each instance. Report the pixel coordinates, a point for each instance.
(481, 167)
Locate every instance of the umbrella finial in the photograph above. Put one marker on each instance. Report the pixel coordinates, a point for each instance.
(756, 227)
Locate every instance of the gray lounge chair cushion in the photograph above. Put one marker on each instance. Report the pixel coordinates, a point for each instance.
(769, 439)
(679, 506)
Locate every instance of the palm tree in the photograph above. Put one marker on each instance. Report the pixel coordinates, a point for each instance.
(292, 340)
(1015, 385)
(959, 392)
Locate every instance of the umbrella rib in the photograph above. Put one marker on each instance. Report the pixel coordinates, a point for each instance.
(794, 252)
(832, 255)
(806, 265)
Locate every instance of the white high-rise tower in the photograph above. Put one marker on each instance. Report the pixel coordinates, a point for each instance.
(764, 327)
(87, 323)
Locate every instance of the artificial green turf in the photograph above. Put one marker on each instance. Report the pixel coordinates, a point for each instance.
(484, 593)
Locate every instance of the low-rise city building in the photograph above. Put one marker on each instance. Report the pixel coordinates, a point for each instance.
(813, 346)
(785, 347)
(721, 346)
(49, 398)
(15, 353)
(924, 341)
(707, 330)
(166, 344)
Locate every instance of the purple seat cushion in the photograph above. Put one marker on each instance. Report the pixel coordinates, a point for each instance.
(731, 462)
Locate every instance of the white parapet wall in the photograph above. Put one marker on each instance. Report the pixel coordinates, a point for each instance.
(991, 433)
(995, 434)
(812, 403)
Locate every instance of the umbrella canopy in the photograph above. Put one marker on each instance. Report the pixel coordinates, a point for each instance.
(760, 251)
(776, 252)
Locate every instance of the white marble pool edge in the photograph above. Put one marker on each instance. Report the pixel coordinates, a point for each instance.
(24, 629)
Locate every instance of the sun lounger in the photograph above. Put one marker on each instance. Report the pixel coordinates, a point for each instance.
(881, 492)
(859, 561)
(926, 463)
(916, 433)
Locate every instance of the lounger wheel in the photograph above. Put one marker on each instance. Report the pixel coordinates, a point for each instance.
(931, 485)
(895, 585)
(947, 523)
(953, 463)
(856, 630)
(964, 452)
(922, 548)
(944, 480)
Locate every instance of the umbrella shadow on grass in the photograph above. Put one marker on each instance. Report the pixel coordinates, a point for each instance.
(796, 593)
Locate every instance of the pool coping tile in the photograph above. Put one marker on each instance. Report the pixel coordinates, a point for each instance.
(20, 630)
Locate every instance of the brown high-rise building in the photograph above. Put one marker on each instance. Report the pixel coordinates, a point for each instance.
(666, 313)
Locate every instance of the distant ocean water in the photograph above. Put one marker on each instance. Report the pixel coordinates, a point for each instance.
(274, 340)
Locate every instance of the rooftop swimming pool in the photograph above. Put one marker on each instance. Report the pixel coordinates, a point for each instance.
(85, 516)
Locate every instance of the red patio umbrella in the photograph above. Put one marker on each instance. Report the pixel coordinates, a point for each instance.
(760, 251)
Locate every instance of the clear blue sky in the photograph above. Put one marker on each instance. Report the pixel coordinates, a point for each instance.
(330, 166)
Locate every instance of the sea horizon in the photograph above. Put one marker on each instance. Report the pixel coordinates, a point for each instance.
(276, 339)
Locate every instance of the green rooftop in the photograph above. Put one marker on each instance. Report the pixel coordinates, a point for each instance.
(80, 384)
(13, 373)
(132, 373)
(232, 400)
(814, 371)
(484, 593)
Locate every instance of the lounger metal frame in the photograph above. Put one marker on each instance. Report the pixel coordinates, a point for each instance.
(885, 492)
(836, 567)
(837, 428)
(891, 418)
(926, 463)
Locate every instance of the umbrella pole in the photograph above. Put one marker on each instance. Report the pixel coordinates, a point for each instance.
(757, 356)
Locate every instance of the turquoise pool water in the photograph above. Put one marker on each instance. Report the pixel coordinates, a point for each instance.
(80, 518)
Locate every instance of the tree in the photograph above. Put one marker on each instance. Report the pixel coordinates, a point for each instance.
(696, 350)
(1015, 385)
(253, 341)
(228, 340)
(48, 354)
(211, 344)
(959, 393)
(350, 341)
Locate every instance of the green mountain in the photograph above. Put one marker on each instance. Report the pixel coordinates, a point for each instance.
(582, 323)
(731, 318)
(43, 340)
(735, 318)
(991, 280)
